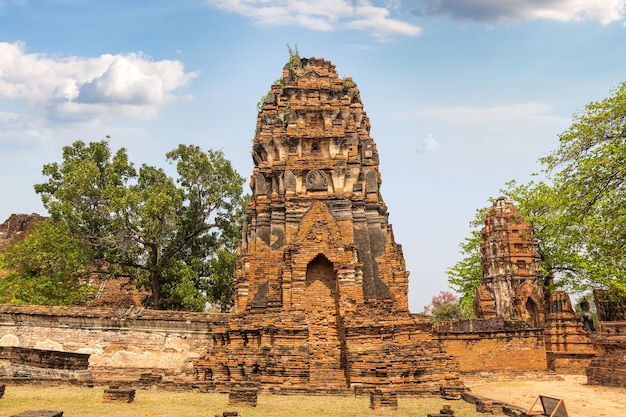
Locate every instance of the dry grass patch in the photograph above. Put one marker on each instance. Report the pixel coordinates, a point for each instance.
(87, 402)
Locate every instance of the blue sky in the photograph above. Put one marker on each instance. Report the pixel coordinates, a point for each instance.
(462, 95)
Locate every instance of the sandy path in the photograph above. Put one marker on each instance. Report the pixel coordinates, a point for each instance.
(581, 400)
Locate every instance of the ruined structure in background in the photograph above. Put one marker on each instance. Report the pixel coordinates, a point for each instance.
(17, 226)
(609, 367)
(321, 285)
(512, 285)
(569, 347)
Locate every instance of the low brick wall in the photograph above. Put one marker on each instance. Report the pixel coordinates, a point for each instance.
(44, 358)
(479, 349)
(121, 344)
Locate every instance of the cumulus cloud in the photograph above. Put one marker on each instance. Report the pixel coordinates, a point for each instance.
(603, 11)
(78, 88)
(428, 145)
(322, 15)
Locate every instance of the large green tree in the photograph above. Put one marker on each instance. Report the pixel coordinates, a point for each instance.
(49, 267)
(162, 232)
(578, 212)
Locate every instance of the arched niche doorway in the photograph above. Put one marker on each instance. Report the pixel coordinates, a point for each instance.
(320, 272)
(327, 352)
(533, 312)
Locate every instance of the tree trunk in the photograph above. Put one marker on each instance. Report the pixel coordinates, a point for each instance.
(156, 290)
(154, 279)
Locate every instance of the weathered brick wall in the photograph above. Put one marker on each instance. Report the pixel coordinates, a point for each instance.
(522, 351)
(122, 344)
(493, 345)
(44, 358)
(17, 226)
(609, 367)
(569, 348)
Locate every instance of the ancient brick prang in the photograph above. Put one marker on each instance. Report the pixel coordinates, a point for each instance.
(316, 191)
(321, 284)
(512, 285)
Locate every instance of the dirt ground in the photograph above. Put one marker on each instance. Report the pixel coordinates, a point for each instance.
(581, 400)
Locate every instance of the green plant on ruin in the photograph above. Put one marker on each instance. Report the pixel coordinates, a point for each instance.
(261, 102)
(294, 64)
(347, 84)
(285, 114)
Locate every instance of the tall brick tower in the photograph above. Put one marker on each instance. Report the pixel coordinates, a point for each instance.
(512, 285)
(316, 203)
(321, 285)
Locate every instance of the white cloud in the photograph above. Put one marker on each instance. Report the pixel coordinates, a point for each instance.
(78, 88)
(603, 11)
(428, 145)
(321, 15)
(495, 118)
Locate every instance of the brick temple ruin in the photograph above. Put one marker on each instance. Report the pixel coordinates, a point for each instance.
(321, 285)
(512, 285)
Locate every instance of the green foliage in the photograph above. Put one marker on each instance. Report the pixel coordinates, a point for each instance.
(444, 307)
(160, 232)
(46, 268)
(221, 290)
(589, 172)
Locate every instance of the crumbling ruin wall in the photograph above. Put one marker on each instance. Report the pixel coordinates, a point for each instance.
(122, 344)
(493, 345)
(569, 347)
(609, 367)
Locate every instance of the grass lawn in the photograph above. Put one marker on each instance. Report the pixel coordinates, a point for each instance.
(87, 402)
